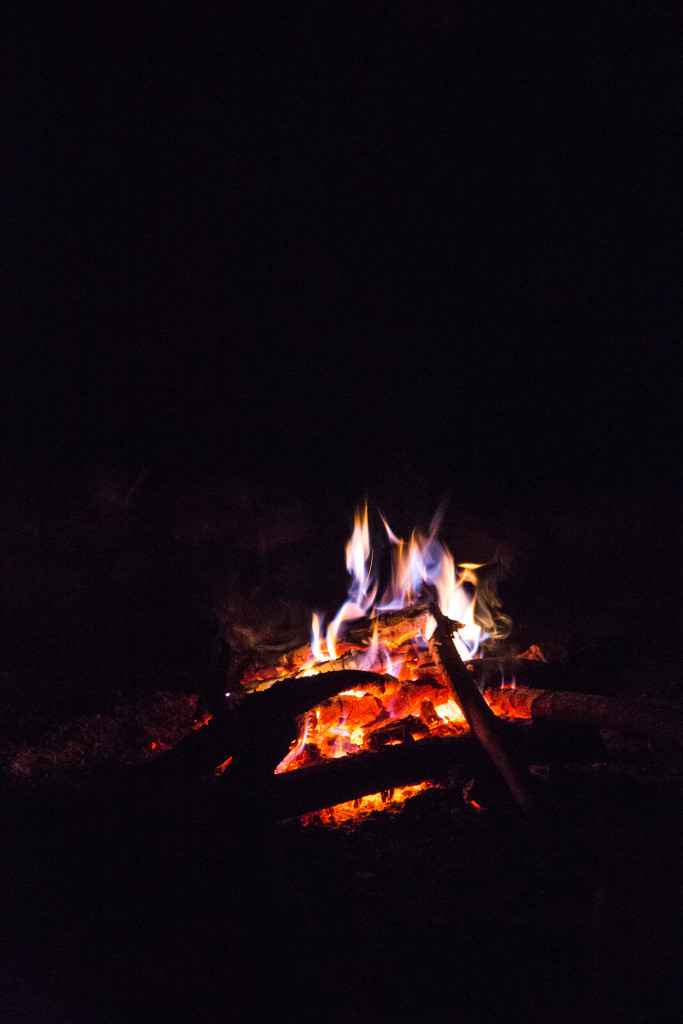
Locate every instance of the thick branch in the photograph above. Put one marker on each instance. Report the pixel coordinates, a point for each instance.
(590, 709)
(480, 718)
(349, 778)
(261, 720)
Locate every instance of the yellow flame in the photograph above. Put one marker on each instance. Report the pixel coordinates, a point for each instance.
(316, 638)
(449, 711)
(358, 546)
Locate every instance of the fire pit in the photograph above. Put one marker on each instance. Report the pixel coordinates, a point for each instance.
(394, 692)
(209, 875)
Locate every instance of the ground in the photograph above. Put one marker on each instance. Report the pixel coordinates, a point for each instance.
(168, 911)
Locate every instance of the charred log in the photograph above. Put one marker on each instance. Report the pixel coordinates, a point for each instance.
(257, 726)
(392, 627)
(456, 758)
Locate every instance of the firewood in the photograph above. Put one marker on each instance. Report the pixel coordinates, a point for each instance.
(480, 718)
(263, 720)
(456, 758)
(353, 660)
(392, 627)
(661, 723)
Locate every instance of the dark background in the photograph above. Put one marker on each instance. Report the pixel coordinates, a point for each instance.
(295, 239)
(265, 259)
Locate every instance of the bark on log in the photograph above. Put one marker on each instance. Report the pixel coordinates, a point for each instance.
(349, 778)
(480, 718)
(262, 721)
(590, 709)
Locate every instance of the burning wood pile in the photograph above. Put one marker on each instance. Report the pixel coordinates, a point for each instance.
(393, 693)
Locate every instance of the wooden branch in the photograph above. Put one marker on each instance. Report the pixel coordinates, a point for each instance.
(480, 718)
(433, 758)
(357, 775)
(662, 723)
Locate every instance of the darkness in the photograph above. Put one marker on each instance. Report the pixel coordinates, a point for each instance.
(338, 243)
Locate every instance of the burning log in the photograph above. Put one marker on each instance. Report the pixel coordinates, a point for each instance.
(353, 660)
(392, 628)
(456, 757)
(257, 726)
(480, 718)
(662, 723)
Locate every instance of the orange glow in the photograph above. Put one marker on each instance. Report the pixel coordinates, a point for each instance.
(356, 810)
(221, 767)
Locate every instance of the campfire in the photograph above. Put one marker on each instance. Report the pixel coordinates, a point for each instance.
(385, 631)
(394, 692)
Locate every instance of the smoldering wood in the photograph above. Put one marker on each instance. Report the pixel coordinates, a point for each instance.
(456, 758)
(664, 723)
(397, 630)
(481, 720)
(261, 721)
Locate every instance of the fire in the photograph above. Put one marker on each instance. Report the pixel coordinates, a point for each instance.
(389, 634)
(423, 561)
(363, 588)
(353, 810)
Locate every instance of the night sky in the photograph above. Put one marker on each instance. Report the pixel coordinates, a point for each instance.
(334, 243)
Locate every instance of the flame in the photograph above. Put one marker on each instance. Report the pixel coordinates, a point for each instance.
(423, 561)
(316, 638)
(297, 747)
(449, 711)
(363, 587)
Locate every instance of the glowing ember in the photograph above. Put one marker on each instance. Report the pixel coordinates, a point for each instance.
(354, 810)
